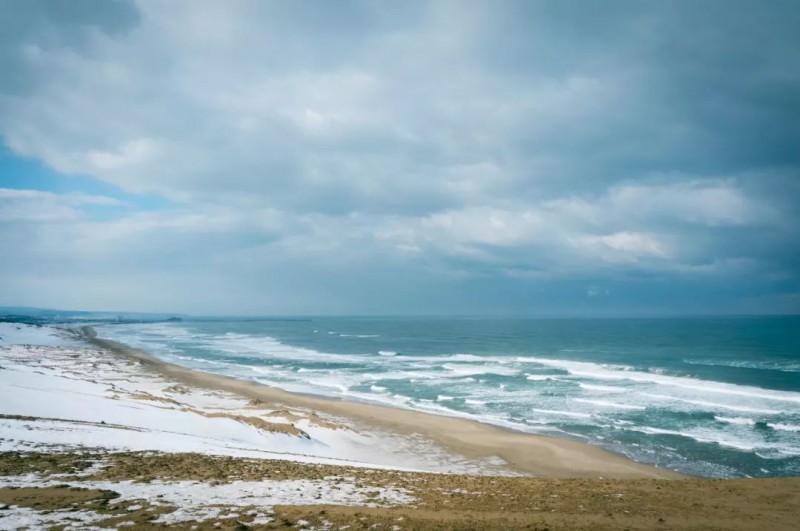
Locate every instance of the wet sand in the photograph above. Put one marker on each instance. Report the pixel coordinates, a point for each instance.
(536, 455)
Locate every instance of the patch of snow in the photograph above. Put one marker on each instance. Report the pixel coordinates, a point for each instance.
(87, 397)
(16, 517)
(198, 501)
(24, 334)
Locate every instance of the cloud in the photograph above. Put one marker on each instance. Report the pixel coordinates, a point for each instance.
(623, 246)
(673, 202)
(134, 153)
(328, 129)
(36, 206)
(593, 144)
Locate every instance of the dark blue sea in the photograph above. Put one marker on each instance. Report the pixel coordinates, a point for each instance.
(715, 397)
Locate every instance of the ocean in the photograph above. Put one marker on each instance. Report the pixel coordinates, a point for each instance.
(713, 397)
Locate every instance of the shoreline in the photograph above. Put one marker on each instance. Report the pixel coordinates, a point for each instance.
(537, 455)
(95, 434)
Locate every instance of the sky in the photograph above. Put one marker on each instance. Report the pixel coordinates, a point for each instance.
(401, 157)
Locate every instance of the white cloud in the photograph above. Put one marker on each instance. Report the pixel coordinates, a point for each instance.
(622, 247)
(36, 206)
(711, 202)
(134, 153)
(200, 103)
(459, 139)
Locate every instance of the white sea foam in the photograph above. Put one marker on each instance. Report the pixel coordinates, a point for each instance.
(723, 439)
(193, 360)
(387, 353)
(471, 357)
(431, 406)
(612, 372)
(715, 405)
(332, 384)
(741, 421)
(561, 413)
(782, 426)
(443, 398)
(603, 388)
(606, 403)
(393, 400)
(465, 369)
(779, 365)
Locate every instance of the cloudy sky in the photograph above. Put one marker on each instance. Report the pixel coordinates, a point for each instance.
(401, 157)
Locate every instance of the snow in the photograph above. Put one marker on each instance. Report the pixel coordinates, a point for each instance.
(59, 393)
(25, 518)
(82, 412)
(124, 423)
(198, 501)
(22, 334)
(193, 496)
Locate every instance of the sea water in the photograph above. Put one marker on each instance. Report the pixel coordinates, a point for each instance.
(715, 397)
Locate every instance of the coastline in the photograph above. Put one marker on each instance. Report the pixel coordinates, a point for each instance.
(537, 455)
(102, 437)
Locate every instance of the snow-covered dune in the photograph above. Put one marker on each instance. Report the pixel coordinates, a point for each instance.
(60, 394)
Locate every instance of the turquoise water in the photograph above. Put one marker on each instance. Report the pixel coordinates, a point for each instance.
(713, 397)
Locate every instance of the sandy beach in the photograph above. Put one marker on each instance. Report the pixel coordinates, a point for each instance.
(533, 454)
(98, 434)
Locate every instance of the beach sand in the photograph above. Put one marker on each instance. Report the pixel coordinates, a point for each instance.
(534, 454)
(107, 436)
